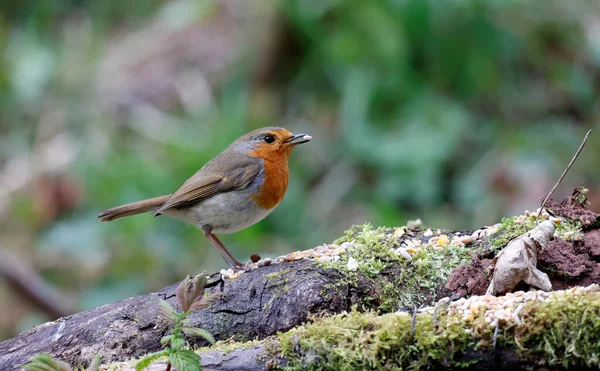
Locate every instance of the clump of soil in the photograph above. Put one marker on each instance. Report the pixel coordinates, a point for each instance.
(572, 263)
(567, 263)
(575, 207)
(592, 242)
(473, 278)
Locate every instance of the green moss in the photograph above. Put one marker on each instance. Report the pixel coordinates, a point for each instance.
(338, 287)
(355, 341)
(277, 275)
(581, 196)
(283, 282)
(403, 283)
(569, 230)
(509, 229)
(226, 346)
(562, 332)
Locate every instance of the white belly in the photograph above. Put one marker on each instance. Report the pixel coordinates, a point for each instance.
(225, 213)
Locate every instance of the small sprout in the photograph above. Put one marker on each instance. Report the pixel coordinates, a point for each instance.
(190, 294)
(190, 297)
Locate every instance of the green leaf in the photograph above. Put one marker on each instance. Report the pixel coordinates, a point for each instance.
(43, 362)
(185, 360)
(177, 343)
(149, 358)
(167, 339)
(95, 364)
(197, 331)
(167, 312)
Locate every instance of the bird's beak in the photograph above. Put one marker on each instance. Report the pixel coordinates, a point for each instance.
(298, 139)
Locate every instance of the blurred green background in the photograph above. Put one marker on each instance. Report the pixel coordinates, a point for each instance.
(455, 112)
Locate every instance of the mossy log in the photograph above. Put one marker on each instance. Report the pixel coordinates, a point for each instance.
(255, 305)
(554, 330)
(381, 271)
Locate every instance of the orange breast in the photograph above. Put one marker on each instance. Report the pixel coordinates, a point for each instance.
(275, 182)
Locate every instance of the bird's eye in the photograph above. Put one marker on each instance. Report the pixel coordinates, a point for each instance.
(269, 139)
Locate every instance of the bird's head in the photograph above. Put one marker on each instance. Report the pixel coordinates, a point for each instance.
(269, 143)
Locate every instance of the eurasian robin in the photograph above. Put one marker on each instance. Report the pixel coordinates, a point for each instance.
(233, 191)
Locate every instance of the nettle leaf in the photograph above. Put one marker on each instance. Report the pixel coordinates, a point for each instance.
(185, 360)
(167, 312)
(196, 292)
(95, 364)
(196, 331)
(201, 281)
(43, 362)
(167, 339)
(204, 302)
(182, 292)
(148, 359)
(177, 343)
(190, 291)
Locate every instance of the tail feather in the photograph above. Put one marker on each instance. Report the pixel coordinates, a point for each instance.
(133, 208)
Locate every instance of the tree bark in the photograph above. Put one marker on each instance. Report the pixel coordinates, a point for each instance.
(257, 304)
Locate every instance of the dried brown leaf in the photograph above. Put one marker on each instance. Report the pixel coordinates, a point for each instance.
(518, 261)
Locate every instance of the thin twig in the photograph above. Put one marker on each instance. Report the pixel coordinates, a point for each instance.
(563, 174)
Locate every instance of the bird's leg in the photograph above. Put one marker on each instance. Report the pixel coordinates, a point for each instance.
(218, 245)
(225, 254)
(236, 263)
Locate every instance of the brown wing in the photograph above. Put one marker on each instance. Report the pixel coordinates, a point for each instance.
(224, 173)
